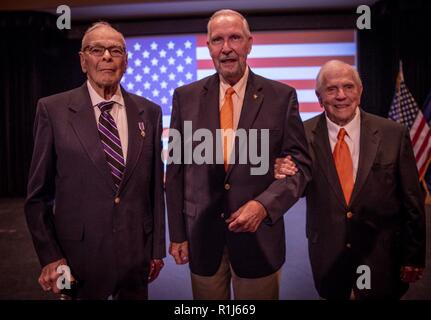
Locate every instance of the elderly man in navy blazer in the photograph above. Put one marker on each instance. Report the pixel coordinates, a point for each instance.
(95, 192)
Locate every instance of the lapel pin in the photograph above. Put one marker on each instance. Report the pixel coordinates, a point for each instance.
(142, 129)
(255, 96)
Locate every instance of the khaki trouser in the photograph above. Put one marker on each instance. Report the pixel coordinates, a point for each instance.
(217, 287)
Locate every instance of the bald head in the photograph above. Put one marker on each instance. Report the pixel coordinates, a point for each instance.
(339, 90)
(103, 58)
(98, 25)
(227, 13)
(336, 66)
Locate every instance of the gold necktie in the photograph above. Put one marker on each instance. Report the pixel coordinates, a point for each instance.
(344, 164)
(226, 123)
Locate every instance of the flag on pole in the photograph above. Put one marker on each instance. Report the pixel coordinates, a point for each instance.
(405, 110)
(427, 177)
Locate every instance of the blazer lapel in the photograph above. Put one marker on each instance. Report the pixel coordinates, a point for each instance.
(135, 141)
(369, 145)
(253, 100)
(209, 118)
(324, 157)
(84, 124)
(209, 115)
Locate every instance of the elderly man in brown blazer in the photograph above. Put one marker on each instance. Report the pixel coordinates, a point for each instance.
(225, 221)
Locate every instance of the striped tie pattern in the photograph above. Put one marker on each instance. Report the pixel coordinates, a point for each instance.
(111, 142)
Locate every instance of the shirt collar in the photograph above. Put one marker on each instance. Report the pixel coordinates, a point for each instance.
(96, 98)
(239, 87)
(351, 128)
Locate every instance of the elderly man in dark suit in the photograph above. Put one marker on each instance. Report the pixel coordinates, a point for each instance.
(223, 218)
(95, 192)
(365, 208)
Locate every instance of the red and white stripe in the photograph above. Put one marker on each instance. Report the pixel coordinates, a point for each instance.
(293, 57)
(420, 134)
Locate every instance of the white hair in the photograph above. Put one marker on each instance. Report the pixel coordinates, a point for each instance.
(333, 64)
(228, 12)
(100, 24)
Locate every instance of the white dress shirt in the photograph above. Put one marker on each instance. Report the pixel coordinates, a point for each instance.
(237, 97)
(353, 137)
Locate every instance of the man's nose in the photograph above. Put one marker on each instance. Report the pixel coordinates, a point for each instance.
(107, 55)
(341, 94)
(226, 46)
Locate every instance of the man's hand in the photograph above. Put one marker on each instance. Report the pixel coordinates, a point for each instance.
(180, 252)
(155, 266)
(49, 275)
(411, 274)
(284, 167)
(247, 218)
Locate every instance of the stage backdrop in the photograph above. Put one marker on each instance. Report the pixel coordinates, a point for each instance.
(157, 65)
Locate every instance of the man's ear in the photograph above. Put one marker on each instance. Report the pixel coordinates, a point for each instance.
(124, 64)
(126, 61)
(83, 62)
(319, 98)
(250, 44)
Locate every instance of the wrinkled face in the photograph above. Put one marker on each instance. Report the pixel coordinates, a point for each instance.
(339, 95)
(105, 70)
(229, 46)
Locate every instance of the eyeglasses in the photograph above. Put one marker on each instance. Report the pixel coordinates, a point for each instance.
(98, 51)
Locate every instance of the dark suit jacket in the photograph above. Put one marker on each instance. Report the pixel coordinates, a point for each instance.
(201, 197)
(385, 227)
(70, 206)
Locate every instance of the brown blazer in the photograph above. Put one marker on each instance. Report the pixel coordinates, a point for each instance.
(201, 197)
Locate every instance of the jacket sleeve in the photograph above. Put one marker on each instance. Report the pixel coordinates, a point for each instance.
(41, 190)
(413, 239)
(159, 245)
(175, 177)
(283, 194)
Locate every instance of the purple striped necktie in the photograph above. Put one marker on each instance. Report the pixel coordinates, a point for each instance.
(111, 142)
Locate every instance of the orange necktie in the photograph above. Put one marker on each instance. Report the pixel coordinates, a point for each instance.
(344, 164)
(226, 123)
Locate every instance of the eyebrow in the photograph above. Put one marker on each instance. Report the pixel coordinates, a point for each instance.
(111, 44)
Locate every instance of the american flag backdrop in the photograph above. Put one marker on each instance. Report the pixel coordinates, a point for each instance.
(405, 110)
(157, 65)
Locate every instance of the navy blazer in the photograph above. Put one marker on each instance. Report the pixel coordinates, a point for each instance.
(73, 209)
